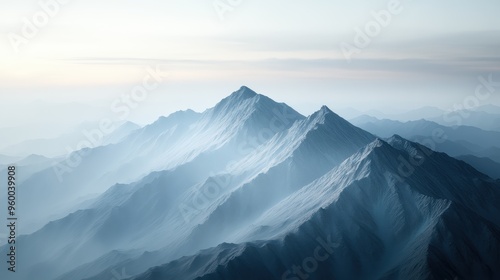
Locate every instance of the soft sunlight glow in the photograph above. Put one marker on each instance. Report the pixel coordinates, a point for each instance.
(96, 50)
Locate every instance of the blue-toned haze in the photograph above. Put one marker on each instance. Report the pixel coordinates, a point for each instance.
(68, 62)
(429, 53)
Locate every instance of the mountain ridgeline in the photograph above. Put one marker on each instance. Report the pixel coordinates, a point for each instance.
(251, 189)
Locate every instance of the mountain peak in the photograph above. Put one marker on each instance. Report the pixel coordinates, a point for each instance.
(375, 147)
(322, 112)
(336, 126)
(243, 93)
(326, 115)
(178, 114)
(254, 110)
(324, 109)
(235, 99)
(401, 143)
(395, 138)
(177, 117)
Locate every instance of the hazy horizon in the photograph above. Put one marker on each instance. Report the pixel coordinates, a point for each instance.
(348, 55)
(25, 110)
(85, 51)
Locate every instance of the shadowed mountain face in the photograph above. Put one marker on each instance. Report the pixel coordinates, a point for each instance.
(250, 189)
(369, 223)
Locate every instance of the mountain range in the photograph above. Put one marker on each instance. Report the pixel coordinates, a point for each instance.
(486, 117)
(480, 148)
(251, 189)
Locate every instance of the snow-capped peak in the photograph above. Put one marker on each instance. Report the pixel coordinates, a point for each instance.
(325, 109)
(245, 92)
(240, 95)
(243, 97)
(324, 115)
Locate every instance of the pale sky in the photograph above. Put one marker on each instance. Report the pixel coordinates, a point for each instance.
(429, 53)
